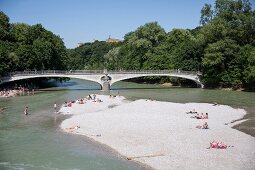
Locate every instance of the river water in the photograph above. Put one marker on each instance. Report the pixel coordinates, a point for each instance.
(37, 142)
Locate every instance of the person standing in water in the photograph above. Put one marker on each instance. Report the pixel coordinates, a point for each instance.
(2, 109)
(26, 110)
(55, 107)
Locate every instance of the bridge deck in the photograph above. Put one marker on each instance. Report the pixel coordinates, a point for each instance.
(89, 72)
(103, 77)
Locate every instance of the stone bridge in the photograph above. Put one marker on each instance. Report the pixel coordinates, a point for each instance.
(103, 77)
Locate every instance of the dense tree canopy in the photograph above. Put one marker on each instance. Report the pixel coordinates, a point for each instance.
(25, 47)
(90, 55)
(222, 47)
(230, 36)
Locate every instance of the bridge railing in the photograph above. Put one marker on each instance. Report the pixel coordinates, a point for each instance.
(153, 72)
(89, 72)
(49, 72)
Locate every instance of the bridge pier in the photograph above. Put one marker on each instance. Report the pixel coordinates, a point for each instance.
(199, 85)
(106, 86)
(106, 82)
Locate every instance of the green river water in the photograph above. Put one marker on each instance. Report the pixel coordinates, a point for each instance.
(37, 142)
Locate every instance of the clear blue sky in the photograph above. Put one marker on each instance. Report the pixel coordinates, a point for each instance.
(85, 20)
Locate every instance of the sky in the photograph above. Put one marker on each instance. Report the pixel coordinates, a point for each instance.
(80, 21)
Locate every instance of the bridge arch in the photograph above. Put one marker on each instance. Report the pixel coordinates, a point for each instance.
(24, 77)
(196, 80)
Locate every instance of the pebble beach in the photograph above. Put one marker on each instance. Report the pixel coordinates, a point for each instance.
(162, 135)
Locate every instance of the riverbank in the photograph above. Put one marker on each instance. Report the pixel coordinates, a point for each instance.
(162, 135)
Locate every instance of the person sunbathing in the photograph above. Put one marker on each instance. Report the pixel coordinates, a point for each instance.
(204, 126)
(191, 112)
(213, 144)
(89, 97)
(196, 116)
(81, 101)
(69, 104)
(205, 116)
(99, 100)
(222, 145)
(73, 128)
(200, 116)
(218, 145)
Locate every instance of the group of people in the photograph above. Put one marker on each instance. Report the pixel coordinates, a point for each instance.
(20, 91)
(200, 116)
(204, 126)
(94, 98)
(91, 97)
(8, 93)
(213, 144)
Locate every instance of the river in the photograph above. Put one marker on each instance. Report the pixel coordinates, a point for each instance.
(37, 142)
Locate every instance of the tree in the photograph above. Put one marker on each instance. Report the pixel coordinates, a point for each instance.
(221, 64)
(184, 50)
(227, 35)
(5, 45)
(138, 44)
(112, 59)
(4, 26)
(5, 61)
(90, 55)
(232, 19)
(206, 14)
(248, 52)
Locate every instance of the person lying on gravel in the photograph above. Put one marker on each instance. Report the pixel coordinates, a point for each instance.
(218, 145)
(204, 126)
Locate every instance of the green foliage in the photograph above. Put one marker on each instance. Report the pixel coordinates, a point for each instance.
(4, 26)
(206, 14)
(90, 56)
(112, 59)
(184, 49)
(5, 61)
(139, 45)
(25, 47)
(248, 52)
(222, 56)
